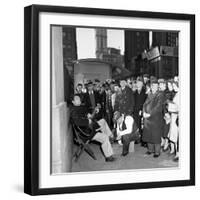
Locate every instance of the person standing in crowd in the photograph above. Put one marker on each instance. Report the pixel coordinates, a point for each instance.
(134, 86)
(80, 93)
(152, 113)
(173, 108)
(81, 116)
(108, 106)
(92, 98)
(169, 94)
(127, 100)
(140, 97)
(127, 131)
(165, 129)
(146, 79)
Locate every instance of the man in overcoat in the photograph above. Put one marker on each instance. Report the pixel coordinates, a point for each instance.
(153, 120)
(127, 99)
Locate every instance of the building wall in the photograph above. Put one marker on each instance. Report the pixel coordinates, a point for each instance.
(135, 43)
(165, 39)
(69, 55)
(101, 41)
(61, 143)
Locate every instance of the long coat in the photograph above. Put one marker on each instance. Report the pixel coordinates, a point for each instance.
(153, 125)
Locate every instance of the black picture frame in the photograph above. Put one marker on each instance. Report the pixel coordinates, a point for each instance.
(31, 98)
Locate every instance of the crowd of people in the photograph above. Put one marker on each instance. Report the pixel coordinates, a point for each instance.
(143, 109)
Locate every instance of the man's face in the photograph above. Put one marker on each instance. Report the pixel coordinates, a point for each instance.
(139, 85)
(79, 88)
(116, 88)
(90, 87)
(76, 101)
(145, 79)
(170, 86)
(162, 86)
(175, 87)
(154, 87)
(123, 83)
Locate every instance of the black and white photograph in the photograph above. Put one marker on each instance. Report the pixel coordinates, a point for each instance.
(112, 95)
(121, 88)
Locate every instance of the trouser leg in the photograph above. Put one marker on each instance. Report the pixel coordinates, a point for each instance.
(166, 144)
(172, 145)
(157, 148)
(105, 143)
(105, 127)
(150, 147)
(126, 141)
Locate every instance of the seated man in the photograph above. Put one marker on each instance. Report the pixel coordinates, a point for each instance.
(96, 130)
(127, 131)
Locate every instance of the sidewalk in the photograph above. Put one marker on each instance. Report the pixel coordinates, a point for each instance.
(134, 160)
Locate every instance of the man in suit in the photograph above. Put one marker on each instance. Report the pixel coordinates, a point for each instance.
(82, 118)
(153, 119)
(140, 97)
(91, 97)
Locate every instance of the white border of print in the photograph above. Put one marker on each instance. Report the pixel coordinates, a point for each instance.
(46, 180)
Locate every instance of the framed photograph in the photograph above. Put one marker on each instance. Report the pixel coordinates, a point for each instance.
(109, 99)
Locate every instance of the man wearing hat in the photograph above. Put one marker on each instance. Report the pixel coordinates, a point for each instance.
(91, 97)
(153, 119)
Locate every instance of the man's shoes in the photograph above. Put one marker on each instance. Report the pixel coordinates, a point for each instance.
(143, 144)
(124, 154)
(156, 155)
(148, 153)
(176, 159)
(112, 140)
(110, 159)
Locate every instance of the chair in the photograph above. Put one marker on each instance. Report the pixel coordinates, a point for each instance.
(81, 139)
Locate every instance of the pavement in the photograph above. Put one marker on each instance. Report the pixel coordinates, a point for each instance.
(134, 160)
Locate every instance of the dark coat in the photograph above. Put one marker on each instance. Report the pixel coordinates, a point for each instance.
(78, 115)
(96, 97)
(154, 124)
(140, 98)
(126, 103)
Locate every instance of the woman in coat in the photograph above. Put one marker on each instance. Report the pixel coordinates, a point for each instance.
(174, 129)
(153, 120)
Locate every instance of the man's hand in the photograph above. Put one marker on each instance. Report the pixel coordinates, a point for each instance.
(118, 137)
(146, 115)
(90, 121)
(99, 129)
(89, 116)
